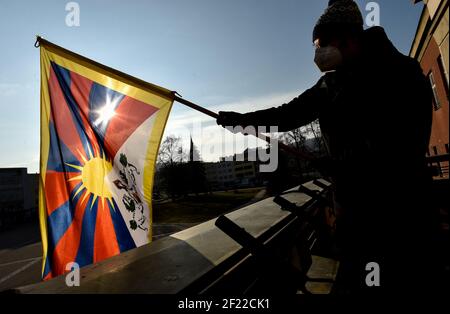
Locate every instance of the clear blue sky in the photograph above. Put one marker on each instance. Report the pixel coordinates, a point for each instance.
(213, 52)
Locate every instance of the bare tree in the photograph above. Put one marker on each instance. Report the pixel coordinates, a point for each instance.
(298, 138)
(171, 151)
(319, 143)
(308, 139)
(294, 138)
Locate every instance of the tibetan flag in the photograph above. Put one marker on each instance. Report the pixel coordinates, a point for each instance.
(100, 135)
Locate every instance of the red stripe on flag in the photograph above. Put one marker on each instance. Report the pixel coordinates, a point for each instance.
(105, 241)
(130, 114)
(81, 89)
(48, 276)
(57, 188)
(62, 117)
(66, 250)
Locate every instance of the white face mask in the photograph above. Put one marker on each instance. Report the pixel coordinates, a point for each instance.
(328, 58)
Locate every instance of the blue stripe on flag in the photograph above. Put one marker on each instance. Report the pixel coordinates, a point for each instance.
(102, 104)
(58, 222)
(47, 265)
(85, 254)
(59, 154)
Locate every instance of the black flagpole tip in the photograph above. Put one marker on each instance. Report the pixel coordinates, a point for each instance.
(37, 44)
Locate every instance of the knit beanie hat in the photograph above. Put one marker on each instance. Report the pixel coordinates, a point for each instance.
(340, 15)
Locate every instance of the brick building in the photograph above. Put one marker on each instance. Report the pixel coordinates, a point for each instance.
(430, 47)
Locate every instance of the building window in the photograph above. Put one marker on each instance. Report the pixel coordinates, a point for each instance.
(443, 74)
(435, 150)
(436, 103)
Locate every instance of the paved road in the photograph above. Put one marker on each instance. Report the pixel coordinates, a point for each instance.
(20, 256)
(20, 252)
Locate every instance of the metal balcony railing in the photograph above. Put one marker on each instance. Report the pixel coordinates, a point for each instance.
(439, 165)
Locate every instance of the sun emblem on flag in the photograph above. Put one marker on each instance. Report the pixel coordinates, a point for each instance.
(93, 177)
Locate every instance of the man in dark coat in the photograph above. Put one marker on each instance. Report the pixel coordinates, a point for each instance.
(374, 106)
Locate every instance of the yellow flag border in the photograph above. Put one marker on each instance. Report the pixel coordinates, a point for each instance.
(145, 92)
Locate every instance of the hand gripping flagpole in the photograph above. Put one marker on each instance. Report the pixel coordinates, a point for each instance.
(286, 148)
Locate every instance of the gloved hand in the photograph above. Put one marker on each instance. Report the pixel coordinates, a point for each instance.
(229, 118)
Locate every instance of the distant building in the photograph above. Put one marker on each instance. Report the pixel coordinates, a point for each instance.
(220, 175)
(236, 173)
(430, 47)
(232, 174)
(18, 195)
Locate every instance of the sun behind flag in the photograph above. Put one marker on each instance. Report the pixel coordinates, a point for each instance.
(100, 135)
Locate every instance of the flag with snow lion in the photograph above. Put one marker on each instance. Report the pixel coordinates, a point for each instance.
(100, 135)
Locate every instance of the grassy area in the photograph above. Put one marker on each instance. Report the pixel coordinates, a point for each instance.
(202, 207)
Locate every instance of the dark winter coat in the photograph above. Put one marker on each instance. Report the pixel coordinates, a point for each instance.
(376, 119)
